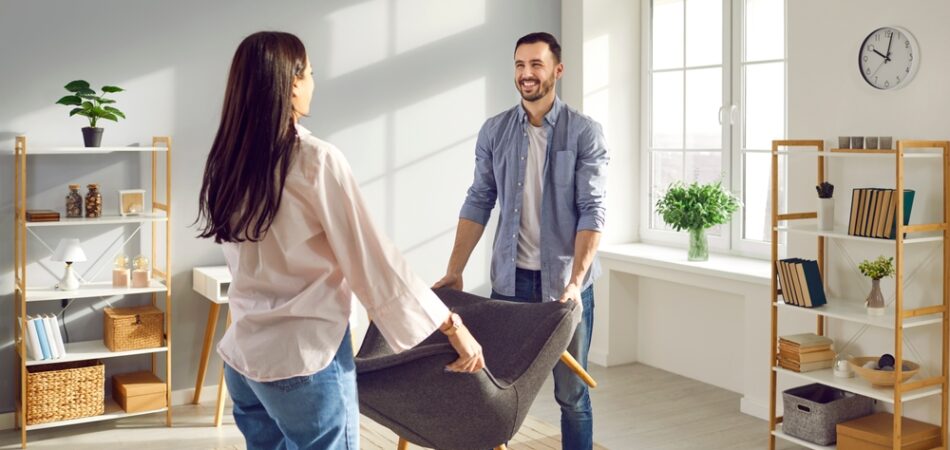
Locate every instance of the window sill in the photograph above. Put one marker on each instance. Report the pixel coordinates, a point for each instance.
(747, 270)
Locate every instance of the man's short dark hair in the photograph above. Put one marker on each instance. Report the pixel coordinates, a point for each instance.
(547, 38)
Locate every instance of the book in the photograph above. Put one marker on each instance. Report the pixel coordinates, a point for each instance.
(885, 208)
(891, 211)
(870, 196)
(41, 215)
(908, 205)
(50, 337)
(816, 288)
(808, 357)
(32, 341)
(876, 206)
(783, 279)
(806, 367)
(852, 220)
(802, 285)
(58, 336)
(41, 334)
(793, 349)
(806, 340)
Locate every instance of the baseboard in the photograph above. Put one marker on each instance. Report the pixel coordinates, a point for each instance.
(597, 357)
(209, 394)
(754, 408)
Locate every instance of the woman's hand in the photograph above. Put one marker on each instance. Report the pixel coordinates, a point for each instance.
(470, 358)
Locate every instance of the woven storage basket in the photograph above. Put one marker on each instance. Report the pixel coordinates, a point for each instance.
(64, 391)
(132, 328)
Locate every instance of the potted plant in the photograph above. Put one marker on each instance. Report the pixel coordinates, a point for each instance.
(826, 206)
(875, 270)
(696, 207)
(94, 107)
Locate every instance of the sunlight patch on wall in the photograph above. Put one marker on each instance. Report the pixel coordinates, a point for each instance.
(420, 22)
(359, 36)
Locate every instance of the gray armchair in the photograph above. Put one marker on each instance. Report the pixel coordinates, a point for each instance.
(411, 394)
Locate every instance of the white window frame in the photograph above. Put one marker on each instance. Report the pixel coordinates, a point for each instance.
(731, 240)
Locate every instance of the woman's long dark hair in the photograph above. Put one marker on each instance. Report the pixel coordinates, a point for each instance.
(252, 151)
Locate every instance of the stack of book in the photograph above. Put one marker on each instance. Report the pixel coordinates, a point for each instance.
(805, 352)
(41, 215)
(801, 283)
(874, 212)
(43, 339)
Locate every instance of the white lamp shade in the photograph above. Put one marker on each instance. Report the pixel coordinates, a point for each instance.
(69, 250)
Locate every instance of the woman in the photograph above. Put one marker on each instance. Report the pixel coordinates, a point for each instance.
(298, 239)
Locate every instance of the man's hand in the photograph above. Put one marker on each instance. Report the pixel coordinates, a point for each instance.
(451, 281)
(572, 292)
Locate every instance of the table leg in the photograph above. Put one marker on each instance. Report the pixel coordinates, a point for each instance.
(206, 349)
(222, 387)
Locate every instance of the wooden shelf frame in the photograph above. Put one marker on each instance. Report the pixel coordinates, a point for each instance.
(161, 293)
(902, 391)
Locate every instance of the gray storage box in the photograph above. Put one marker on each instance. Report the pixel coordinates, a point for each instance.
(812, 411)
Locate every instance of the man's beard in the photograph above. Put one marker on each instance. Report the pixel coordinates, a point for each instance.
(543, 89)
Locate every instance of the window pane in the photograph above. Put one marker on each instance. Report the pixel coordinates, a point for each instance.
(667, 167)
(703, 32)
(704, 167)
(764, 108)
(765, 30)
(668, 110)
(667, 34)
(703, 100)
(757, 195)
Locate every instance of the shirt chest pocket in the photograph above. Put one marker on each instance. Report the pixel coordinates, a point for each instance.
(562, 168)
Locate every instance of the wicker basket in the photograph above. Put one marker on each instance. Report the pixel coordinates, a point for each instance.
(64, 391)
(132, 328)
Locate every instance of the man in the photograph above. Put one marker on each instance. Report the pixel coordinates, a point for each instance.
(545, 164)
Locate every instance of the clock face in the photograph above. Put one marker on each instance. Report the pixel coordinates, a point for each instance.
(888, 58)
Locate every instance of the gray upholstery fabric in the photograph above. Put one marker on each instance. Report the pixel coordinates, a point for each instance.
(411, 393)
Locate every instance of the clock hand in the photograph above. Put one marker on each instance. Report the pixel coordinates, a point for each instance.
(879, 53)
(888, 57)
(879, 67)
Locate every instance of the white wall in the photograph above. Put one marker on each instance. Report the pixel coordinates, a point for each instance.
(402, 87)
(605, 35)
(828, 98)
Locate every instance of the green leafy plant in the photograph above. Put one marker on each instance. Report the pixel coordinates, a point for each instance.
(696, 206)
(89, 104)
(881, 267)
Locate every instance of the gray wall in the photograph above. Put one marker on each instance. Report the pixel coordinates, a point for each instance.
(401, 88)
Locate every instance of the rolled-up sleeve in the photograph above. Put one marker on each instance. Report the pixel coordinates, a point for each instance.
(402, 306)
(591, 178)
(482, 194)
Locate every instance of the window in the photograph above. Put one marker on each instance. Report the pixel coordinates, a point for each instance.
(716, 99)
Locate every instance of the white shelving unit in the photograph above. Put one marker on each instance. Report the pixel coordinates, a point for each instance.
(24, 295)
(897, 319)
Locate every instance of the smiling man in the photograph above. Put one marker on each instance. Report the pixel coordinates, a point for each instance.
(546, 166)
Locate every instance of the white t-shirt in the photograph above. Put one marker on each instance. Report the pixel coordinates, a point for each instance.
(529, 233)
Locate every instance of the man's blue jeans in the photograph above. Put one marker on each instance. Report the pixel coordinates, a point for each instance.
(318, 411)
(577, 419)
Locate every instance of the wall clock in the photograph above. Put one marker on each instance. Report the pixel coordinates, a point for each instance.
(889, 58)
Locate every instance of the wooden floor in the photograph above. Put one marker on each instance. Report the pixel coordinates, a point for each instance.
(635, 407)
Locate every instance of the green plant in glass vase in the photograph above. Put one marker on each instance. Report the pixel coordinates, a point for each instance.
(92, 106)
(695, 207)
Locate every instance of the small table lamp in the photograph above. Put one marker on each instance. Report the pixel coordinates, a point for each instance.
(68, 251)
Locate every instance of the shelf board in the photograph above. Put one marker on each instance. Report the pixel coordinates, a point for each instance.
(86, 150)
(88, 350)
(848, 153)
(112, 412)
(781, 435)
(853, 311)
(99, 289)
(842, 233)
(104, 220)
(859, 386)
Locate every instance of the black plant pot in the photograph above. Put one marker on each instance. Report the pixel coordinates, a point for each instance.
(92, 137)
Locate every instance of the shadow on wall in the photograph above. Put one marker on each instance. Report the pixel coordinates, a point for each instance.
(402, 87)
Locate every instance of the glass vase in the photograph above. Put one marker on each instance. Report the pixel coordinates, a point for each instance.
(698, 245)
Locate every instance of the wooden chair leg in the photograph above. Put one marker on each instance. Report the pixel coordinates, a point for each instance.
(575, 367)
(222, 388)
(403, 444)
(206, 349)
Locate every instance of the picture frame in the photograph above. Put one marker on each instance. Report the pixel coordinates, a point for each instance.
(131, 202)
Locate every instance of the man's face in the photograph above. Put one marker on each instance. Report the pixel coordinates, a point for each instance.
(536, 70)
